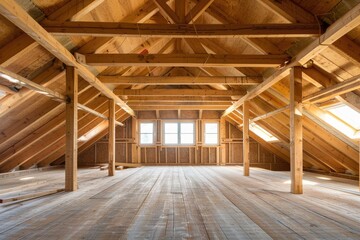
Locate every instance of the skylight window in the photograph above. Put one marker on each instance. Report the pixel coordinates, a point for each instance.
(262, 133)
(344, 119)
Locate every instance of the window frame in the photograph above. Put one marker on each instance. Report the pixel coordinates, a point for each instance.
(204, 133)
(153, 134)
(346, 127)
(178, 133)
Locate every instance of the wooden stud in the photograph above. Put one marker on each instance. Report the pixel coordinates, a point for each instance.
(246, 139)
(71, 129)
(135, 136)
(222, 143)
(296, 131)
(111, 145)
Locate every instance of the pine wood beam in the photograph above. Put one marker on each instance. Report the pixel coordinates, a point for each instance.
(135, 154)
(180, 80)
(13, 12)
(179, 107)
(178, 92)
(296, 135)
(23, 44)
(246, 139)
(71, 155)
(338, 29)
(111, 145)
(197, 10)
(111, 29)
(184, 99)
(166, 11)
(334, 90)
(182, 60)
(15, 78)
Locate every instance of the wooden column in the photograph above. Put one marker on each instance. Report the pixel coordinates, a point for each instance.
(135, 137)
(71, 129)
(296, 135)
(222, 139)
(111, 146)
(246, 146)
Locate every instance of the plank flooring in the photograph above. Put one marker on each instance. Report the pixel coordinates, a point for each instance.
(181, 203)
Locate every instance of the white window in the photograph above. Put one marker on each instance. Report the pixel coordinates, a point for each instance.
(211, 133)
(262, 133)
(146, 133)
(179, 133)
(344, 119)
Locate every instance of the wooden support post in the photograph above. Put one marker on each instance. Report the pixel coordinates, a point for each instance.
(246, 145)
(222, 138)
(296, 143)
(135, 137)
(111, 146)
(71, 129)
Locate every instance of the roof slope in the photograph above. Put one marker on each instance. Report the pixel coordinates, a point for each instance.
(33, 126)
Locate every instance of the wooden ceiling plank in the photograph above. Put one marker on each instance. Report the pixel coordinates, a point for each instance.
(289, 11)
(338, 29)
(24, 21)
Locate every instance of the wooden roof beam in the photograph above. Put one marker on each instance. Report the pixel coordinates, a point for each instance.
(197, 10)
(181, 80)
(182, 60)
(338, 29)
(179, 107)
(73, 10)
(178, 92)
(334, 90)
(13, 12)
(166, 11)
(111, 29)
(15, 78)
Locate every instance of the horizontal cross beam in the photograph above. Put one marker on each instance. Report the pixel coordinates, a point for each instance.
(182, 60)
(180, 80)
(111, 29)
(178, 92)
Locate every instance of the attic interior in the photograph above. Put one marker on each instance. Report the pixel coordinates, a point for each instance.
(156, 119)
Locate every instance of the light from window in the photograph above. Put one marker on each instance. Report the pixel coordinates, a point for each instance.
(146, 133)
(179, 133)
(171, 133)
(262, 133)
(344, 119)
(211, 133)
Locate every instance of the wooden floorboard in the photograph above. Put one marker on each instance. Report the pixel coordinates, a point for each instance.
(181, 203)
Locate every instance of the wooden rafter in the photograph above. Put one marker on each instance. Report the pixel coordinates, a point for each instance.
(166, 11)
(24, 21)
(110, 29)
(197, 10)
(338, 29)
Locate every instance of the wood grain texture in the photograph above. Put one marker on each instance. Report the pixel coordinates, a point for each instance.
(183, 202)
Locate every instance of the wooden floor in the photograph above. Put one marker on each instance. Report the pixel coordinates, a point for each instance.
(181, 203)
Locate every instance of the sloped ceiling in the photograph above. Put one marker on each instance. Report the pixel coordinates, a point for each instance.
(32, 125)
